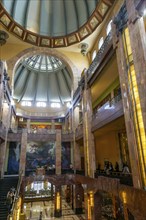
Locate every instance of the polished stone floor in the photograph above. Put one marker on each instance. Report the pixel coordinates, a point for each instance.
(33, 209)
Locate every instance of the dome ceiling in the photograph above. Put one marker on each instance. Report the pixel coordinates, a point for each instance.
(53, 23)
(42, 78)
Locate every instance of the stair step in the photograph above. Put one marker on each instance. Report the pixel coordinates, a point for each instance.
(5, 185)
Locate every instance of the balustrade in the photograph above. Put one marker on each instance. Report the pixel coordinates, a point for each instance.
(108, 112)
(100, 55)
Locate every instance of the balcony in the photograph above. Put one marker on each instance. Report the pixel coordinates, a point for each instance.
(35, 134)
(107, 45)
(110, 111)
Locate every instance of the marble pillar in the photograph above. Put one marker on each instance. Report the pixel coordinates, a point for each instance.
(86, 204)
(1, 87)
(28, 125)
(23, 152)
(6, 119)
(89, 145)
(77, 156)
(76, 150)
(53, 124)
(78, 198)
(96, 213)
(132, 76)
(58, 152)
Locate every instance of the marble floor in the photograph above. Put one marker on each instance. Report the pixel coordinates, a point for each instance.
(33, 209)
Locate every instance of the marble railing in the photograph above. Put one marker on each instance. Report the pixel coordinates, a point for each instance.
(100, 55)
(35, 134)
(107, 113)
(132, 198)
(94, 65)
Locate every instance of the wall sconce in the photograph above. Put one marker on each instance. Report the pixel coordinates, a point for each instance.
(58, 201)
(91, 199)
(3, 37)
(83, 47)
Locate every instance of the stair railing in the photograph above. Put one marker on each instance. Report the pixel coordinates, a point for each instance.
(16, 197)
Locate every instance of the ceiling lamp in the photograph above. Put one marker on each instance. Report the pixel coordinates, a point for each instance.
(3, 37)
(83, 47)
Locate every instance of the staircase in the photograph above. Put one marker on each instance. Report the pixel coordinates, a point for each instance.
(5, 185)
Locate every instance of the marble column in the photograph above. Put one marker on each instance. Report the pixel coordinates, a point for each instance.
(76, 150)
(53, 124)
(28, 125)
(96, 214)
(132, 80)
(23, 152)
(136, 26)
(78, 198)
(86, 204)
(7, 125)
(68, 193)
(1, 87)
(137, 30)
(89, 146)
(77, 156)
(58, 152)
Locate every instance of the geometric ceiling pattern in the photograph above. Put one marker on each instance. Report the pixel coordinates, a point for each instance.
(53, 23)
(42, 78)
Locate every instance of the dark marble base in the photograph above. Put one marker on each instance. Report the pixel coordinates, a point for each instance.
(78, 211)
(57, 213)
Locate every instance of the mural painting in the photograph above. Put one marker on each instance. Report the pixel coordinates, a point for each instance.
(42, 154)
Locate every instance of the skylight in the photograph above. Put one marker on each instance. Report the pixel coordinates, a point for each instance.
(41, 104)
(43, 63)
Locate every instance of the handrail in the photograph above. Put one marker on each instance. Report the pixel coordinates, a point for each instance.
(109, 103)
(99, 55)
(16, 194)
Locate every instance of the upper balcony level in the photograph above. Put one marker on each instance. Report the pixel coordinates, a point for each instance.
(107, 113)
(34, 135)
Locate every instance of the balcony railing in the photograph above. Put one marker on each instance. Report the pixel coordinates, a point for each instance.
(125, 178)
(108, 112)
(100, 55)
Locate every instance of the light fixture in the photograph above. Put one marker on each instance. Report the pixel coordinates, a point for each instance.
(3, 37)
(83, 47)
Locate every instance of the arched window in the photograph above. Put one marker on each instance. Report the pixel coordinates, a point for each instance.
(100, 43)
(93, 55)
(109, 27)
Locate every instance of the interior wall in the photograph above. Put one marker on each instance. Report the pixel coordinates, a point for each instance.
(107, 148)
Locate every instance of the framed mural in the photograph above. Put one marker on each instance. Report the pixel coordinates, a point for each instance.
(13, 158)
(40, 154)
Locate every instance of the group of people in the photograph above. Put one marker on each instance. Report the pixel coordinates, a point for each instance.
(10, 198)
(108, 168)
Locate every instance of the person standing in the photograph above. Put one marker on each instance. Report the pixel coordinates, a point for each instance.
(41, 215)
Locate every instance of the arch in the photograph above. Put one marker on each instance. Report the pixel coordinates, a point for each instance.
(13, 62)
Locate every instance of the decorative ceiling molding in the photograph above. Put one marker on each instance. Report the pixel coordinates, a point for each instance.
(84, 31)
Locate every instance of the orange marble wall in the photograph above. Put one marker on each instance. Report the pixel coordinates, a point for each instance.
(107, 148)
